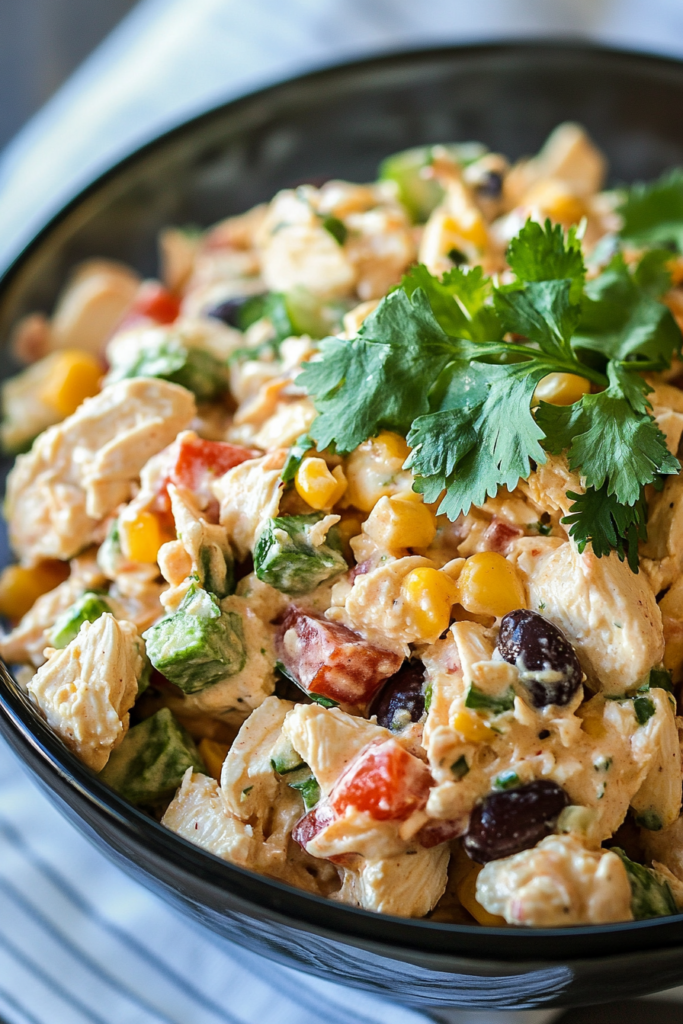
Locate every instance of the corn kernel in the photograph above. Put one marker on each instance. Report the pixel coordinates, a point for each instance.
(74, 376)
(467, 894)
(429, 595)
(561, 389)
(471, 726)
(392, 445)
(399, 523)
(319, 487)
(490, 585)
(20, 588)
(468, 226)
(213, 755)
(141, 537)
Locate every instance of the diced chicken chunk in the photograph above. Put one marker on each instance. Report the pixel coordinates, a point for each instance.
(297, 250)
(671, 607)
(380, 248)
(559, 882)
(205, 543)
(89, 309)
(249, 820)
(86, 690)
(373, 790)
(607, 612)
(248, 781)
(658, 801)
(408, 885)
(570, 156)
(376, 606)
(197, 813)
(328, 739)
(79, 471)
(249, 495)
(547, 486)
(328, 659)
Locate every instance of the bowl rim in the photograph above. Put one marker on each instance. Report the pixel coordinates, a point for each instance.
(33, 741)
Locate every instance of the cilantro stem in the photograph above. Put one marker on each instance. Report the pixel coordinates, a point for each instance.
(554, 365)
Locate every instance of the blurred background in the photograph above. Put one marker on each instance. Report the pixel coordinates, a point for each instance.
(41, 42)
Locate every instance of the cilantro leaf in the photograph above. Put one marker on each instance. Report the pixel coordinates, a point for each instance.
(460, 301)
(541, 311)
(431, 363)
(473, 449)
(652, 214)
(382, 378)
(541, 253)
(620, 320)
(611, 438)
(653, 273)
(599, 518)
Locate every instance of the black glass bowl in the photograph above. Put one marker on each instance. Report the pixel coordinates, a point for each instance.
(342, 122)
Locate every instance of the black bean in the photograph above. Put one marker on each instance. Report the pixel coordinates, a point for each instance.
(507, 822)
(229, 311)
(549, 668)
(401, 700)
(491, 185)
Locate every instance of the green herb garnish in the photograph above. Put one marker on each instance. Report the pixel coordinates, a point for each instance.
(652, 214)
(507, 780)
(302, 445)
(660, 679)
(460, 768)
(480, 701)
(431, 363)
(337, 228)
(644, 709)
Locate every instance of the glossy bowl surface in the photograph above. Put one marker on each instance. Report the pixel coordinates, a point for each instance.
(341, 122)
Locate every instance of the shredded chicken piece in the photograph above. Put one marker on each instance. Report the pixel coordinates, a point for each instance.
(559, 882)
(608, 613)
(79, 471)
(249, 495)
(407, 885)
(86, 690)
(198, 813)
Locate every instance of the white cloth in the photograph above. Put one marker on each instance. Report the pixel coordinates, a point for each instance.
(80, 943)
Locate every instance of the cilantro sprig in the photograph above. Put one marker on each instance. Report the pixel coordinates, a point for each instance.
(453, 364)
